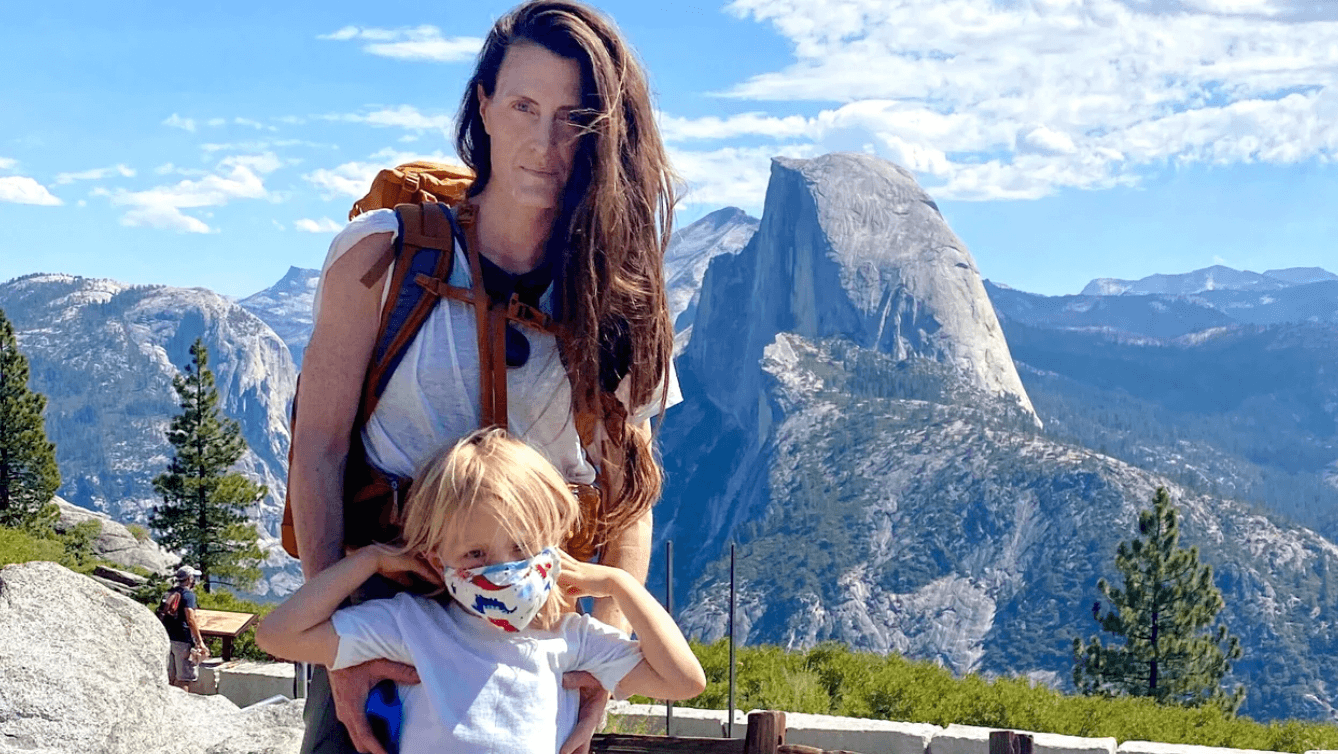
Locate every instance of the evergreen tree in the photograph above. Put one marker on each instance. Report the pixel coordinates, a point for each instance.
(203, 514)
(1163, 615)
(28, 473)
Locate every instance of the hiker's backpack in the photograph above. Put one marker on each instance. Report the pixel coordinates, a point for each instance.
(422, 255)
(169, 606)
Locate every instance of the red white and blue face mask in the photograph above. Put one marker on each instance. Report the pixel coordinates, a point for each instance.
(507, 595)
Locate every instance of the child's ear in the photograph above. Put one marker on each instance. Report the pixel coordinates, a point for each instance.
(435, 561)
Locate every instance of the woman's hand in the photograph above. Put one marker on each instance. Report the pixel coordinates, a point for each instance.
(594, 701)
(581, 579)
(350, 688)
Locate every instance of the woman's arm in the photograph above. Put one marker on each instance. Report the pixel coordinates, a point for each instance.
(333, 369)
(669, 670)
(629, 552)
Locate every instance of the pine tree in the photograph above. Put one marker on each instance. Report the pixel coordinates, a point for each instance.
(1163, 615)
(28, 473)
(203, 514)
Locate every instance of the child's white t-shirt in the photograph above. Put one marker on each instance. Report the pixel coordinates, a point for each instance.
(482, 690)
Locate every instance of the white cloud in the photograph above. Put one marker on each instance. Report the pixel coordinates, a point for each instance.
(423, 43)
(8, 163)
(730, 176)
(344, 34)
(253, 124)
(95, 174)
(176, 121)
(675, 129)
(18, 189)
(164, 217)
(262, 145)
(237, 177)
(404, 116)
(323, 225)
(987, 99)
(264, 163)
(350, 179)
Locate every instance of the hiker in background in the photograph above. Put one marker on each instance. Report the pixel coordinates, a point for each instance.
(177, 612)
(569, 215)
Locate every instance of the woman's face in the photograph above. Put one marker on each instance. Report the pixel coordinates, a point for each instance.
(529, 121)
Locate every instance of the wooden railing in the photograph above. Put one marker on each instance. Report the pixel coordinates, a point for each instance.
(766, 735)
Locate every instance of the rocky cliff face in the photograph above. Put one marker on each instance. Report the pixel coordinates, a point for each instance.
(104, 354)
(286, 308)
(854, 421)
(725, 231)
(942, 531)
(849, 245)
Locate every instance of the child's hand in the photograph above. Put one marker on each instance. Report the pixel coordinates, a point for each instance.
(396, 566)
(580, 579)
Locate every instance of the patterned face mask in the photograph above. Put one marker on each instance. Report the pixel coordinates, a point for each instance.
(507, 595)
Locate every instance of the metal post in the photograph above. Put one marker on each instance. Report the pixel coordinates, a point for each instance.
(730, 722)
(299, 680)
(669, 607)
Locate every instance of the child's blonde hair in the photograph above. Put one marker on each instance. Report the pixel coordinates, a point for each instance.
(490, 470)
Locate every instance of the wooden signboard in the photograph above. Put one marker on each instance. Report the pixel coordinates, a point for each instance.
(224, 624)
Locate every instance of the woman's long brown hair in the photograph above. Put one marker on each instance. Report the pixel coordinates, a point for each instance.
(608, 242)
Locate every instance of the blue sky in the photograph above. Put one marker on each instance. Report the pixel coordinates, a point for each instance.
(216, 145)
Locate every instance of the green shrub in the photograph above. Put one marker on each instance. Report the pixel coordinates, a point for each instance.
(79, 539)
(20, 546)
(831, 679)
(138, 532)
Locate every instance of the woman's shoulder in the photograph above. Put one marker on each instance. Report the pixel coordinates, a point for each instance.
(359, 229)
(353, 244)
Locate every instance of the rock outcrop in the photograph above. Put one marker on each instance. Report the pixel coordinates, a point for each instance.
(850, 246)
(83, 669)
(115, 542)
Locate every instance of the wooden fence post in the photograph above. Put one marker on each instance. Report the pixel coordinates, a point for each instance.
(1009, 742)
(766, 732)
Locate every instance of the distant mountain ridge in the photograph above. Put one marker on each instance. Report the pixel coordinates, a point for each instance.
(286, 307)
(1215, 278)
(104, 355)
(725, 231)
(853, 421)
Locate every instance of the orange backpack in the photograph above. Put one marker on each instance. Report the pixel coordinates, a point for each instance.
(422, 194)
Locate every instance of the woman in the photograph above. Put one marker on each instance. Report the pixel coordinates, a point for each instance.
(573, 186)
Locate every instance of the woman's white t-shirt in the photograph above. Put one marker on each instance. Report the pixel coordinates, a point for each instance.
(482, 690)
(432, 397)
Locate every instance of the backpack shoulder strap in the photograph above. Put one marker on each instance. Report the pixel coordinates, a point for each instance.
(424, 253)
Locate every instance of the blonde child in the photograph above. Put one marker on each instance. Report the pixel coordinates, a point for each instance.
(484, 521)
